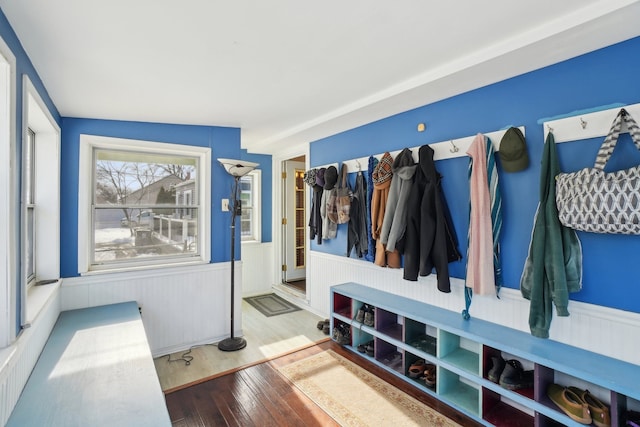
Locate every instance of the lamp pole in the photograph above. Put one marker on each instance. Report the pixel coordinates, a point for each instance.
(233, 343)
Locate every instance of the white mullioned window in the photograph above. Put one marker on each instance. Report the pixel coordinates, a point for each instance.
(134, 208)
(250, 220)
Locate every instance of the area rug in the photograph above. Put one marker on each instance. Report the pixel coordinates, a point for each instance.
(354, 397)
(271, 305)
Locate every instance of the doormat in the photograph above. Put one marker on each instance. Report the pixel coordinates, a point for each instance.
(271, 305)
(355, 397)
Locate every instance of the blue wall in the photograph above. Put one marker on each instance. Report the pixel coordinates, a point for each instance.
(224, 142)
(603, 77)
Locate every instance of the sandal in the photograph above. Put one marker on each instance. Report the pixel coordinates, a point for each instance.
(430, 375)
(417, 368)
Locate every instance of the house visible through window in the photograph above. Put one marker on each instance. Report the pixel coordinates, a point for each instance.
(144, 207)
(250, 223)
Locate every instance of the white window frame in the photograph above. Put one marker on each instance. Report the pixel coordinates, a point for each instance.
(46, 198)
(8, 190)
(256, 207)
(88, 143)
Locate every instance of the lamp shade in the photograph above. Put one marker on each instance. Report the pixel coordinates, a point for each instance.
(237, 167)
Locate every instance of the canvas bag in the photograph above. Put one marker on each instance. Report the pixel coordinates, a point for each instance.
(339, 203)
(602, 202)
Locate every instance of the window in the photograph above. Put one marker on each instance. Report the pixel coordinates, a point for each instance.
(145, 205)
(250, 221)
(28, 200)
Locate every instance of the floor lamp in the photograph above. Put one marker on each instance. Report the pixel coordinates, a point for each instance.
(237, 169)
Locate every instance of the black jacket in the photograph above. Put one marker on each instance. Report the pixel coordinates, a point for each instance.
(430, 237)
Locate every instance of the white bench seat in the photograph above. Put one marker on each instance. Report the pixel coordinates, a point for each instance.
(95, 370)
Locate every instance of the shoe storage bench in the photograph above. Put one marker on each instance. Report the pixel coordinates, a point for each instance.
(406, 331)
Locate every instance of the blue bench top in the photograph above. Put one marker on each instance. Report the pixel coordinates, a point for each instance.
(96, 369)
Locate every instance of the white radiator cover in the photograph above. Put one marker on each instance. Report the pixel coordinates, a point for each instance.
(599, 329)
(181, 306)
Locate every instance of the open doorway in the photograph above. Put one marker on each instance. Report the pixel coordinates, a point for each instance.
(294, 195)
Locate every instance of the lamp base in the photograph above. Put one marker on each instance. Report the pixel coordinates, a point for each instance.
(232, 344)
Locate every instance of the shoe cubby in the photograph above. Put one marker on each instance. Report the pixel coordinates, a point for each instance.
(421, 371)
(459, 351)
(388, 323)
(499, 410)
(421, 336)
(510, 372)
(405, 331)
(458, 390)
(389, 355)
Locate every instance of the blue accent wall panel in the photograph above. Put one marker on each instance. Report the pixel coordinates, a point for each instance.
(602, 77)
(223, 141)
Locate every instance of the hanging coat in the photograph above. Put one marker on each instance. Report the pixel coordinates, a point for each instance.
(381, 183)
(553, 267)
(371, 243)
(357, 229)
(430, 237)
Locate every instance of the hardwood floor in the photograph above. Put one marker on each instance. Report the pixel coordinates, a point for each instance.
(260, 396)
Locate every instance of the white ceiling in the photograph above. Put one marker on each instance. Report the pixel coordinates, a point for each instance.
(290, 71)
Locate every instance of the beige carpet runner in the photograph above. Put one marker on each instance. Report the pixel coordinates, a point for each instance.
(354, 397)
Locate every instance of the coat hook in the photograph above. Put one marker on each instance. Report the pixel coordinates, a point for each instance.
(453, 148)
(583, 123)
(550, 129)
(358, 163)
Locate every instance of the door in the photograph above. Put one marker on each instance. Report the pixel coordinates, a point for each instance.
(294, 221)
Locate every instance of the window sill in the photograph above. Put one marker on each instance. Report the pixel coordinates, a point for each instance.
(37, 298)
(142, 268)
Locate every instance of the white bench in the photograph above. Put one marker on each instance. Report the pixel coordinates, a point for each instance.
(95, 370)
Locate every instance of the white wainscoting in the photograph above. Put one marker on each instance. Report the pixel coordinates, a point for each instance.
(599, 329)
(181, 306)
(257, 268)
(17, 360)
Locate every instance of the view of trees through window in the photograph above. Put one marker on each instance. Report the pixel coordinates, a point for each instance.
(145, 206)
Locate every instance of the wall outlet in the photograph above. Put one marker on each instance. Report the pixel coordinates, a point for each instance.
(225, 205)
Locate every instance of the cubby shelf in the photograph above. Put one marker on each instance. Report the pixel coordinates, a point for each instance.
(406, 330)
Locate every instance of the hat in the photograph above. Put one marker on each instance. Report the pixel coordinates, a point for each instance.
(310, 177)
(330, 177)
(383, 170)
(513, 151)
(320, 177)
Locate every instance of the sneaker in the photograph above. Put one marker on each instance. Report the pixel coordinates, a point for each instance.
(369, 316)
(360, 315)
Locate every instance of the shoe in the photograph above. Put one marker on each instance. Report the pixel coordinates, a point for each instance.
(599, 411)
(430, 375)
(416, 370)
(360, 315)
(513, 377)
(570, 403)
(369, 349)
(369, 316)
(496, 370)
(321, 323)
(325, 327)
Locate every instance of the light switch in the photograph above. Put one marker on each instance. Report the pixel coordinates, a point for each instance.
(225, 205)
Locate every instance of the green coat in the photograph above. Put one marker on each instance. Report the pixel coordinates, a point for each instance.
(554, 265)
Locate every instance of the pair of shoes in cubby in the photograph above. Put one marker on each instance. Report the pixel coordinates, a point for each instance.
(423, 371)
(365, 315)
(580, 405)
(342, 334)
(366, 348)
(510, 374)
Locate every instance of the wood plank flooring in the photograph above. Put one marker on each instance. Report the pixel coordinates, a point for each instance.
(260, 396)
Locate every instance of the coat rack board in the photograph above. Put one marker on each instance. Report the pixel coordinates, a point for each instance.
(441, 150)
(585, 126)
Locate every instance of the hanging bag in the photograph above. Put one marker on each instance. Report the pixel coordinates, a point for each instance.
(342, 194)
(602, 202)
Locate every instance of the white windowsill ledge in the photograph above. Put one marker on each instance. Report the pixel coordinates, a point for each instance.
(37, 298)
